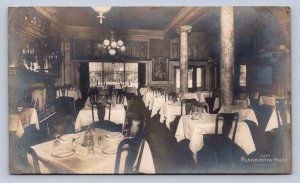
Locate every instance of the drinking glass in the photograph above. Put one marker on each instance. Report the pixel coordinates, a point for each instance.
(90, 149)
(126, 132)
(56, 142)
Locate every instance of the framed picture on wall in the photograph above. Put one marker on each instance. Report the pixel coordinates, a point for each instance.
(160, 69)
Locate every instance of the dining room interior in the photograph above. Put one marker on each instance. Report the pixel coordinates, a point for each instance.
(149, 90)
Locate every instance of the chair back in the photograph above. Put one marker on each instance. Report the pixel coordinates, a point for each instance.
(200, 107)
(216, 93)
(134, 148)
(189, 104)
(281, 112)
(228, 120)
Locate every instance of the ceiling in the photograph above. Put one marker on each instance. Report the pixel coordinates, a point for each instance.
(153, 18)
(255, 27)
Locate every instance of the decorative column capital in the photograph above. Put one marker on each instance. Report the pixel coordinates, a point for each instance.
(184, 28)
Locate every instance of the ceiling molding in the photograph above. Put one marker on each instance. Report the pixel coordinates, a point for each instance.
(48, 12)
(187, 16)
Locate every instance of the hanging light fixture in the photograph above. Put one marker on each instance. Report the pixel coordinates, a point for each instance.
(112, 45)
(101, 10)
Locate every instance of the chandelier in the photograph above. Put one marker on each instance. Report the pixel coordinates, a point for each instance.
(101, 10)
(112, 45)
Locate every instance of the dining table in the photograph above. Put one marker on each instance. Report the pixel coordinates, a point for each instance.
(52, 159)
(245, 113)
(269, 100)
(19, 121)
(156, 104)
(274, 122)
(168, 112)
(132, 90)
(201, 95)
(143, 90)
(84, 118)
(74, 93)
(148, 97)
(189, 95)
(195, 129)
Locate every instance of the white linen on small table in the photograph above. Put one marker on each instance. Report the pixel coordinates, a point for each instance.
(169, 112)
(216, 103)
(268, 100)
(80, 163)
(131, 89)
(202, 95)
(143, 90)
(76, 94)
(29, 117)
(157, 103)
(244, 113)
(195, 129)
(85, 117)
(147, 98)
(273, 120)
(189, 95)
(15, 125)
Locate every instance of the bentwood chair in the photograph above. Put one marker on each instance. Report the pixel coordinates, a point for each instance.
(281, 112)
(221, 147)
(134, 148)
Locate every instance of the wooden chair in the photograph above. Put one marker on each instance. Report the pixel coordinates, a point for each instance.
(134, 148)
(225, 152)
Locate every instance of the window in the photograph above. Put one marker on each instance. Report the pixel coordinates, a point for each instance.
(112, 74)
(243, 75)
(199, 77)
(190, 78)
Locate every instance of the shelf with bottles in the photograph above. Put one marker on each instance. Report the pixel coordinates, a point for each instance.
(40, 56)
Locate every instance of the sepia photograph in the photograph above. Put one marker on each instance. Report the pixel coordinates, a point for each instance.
(149, 90)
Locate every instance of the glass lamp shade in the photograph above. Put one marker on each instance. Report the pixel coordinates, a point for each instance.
(120, 43)
(99, 46)
(113, 44)
(101, 9)
(122, 49)
(106, 42)
(112, 52)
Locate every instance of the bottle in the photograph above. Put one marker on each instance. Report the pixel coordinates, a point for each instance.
(73, 142)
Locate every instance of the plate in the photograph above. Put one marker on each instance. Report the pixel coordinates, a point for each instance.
(110, 150)
(69, 137)
(62, 153)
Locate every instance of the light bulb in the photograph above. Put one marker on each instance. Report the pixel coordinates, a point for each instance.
(113, 44)
(120, 43)
(112, 52)
(106, 42)
(123, 49)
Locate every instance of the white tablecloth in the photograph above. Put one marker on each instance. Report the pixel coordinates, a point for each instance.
(195, 129)
(156, 104)
(85, 117)
(216, 103)
(202, 95)
(147, 98)
(273, 121)
(76, 94)
(15, 125)
(169, 112)
(143, 90)
(132, 89)
(268, 100)
(189, 95)
(80, 163)
(244, 113)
